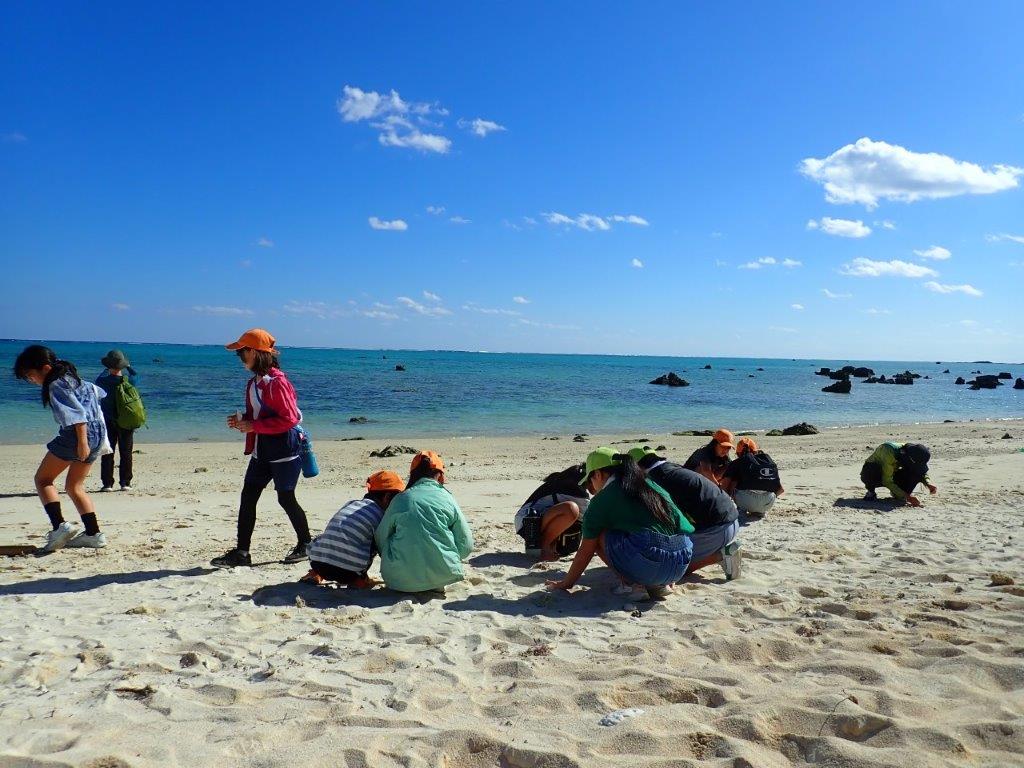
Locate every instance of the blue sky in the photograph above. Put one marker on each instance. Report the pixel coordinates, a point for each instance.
(735, 179)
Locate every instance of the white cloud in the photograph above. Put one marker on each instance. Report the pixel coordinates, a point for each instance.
(396, 225)
(790, 263)
(459, 220)
(869, 171)
(377, 314)
(265, 242)
(520, 300)
(936, 252)
(1011, 238)
(591, 222)
(550, 326)
(797, 306)
(320, 309)
(640, 221)
(840, 227)
(120, 307)
(763, 261)
(716, 235)
(862, 267)
(637, 263)
(888, 224)
(830, 295)
(720, 263)
(480, 127)
(220, 311)
(435, 210)
(490, 311)
(970, 290)
(969, 323)
(431, 296)
(873, 311)
(398, 121)
(420, 309)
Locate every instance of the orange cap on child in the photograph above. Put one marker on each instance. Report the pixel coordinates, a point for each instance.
(385, 480)
(723, 437)
(432, 459)
(745, 445)
(255, 338)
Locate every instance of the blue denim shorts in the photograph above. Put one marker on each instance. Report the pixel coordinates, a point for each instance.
(65, 445)
(648, 557)
(710, 540)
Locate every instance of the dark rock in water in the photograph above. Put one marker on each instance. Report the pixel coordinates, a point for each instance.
(823, 372)
(988, 381)
(1007, 436)
(841, 387)
(390, 451)
(927, 377)
(982, 362)
(848, 369)
(960, 380)
(902, 378)
(938, 362)
(803, 428)
(946, 371)
(839, 375)
(730, 369)
(872, 380)
(358, 420)
(773, 433)
(158, 359)
(1005, 375)
(399, 367)
(579, 439)
(350, 439)
(974, 372)
(707, 367)
(948, 421)
(760, 369)
(744, 434)
(862, 372)
(1018, 384)
(670, 379)
(694, 433)
(750, 376)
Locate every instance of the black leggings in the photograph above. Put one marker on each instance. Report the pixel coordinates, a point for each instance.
(247, 514)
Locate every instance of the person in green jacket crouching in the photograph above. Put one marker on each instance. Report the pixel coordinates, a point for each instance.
(898, 467)
(632, 524)
(423, 537)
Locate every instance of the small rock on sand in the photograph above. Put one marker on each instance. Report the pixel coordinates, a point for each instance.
(1000, 580)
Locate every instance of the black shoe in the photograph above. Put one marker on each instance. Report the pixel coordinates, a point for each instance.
(298, 554)
(233, 558)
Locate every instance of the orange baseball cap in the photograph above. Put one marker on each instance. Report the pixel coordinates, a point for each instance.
(433, 460)
(385, 480)
(255, 338)
(723, 437)
(744, 445)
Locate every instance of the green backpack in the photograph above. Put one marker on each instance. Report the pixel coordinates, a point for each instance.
(131, 414)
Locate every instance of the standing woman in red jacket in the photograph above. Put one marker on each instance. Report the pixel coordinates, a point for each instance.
(272, 442)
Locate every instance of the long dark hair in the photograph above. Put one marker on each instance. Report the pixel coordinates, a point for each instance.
(565, 482)
(634, 485)
(423, 469)
(34, 357)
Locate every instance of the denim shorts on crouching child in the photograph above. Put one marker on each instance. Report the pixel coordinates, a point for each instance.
(65, 445)
(710, 540)
(648, 558)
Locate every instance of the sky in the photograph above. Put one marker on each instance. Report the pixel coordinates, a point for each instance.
(794, 180)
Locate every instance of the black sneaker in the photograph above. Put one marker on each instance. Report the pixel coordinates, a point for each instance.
(298, 554)
(233, 558)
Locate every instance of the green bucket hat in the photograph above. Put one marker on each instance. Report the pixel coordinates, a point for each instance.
(115, 359)
(639, 451)
(599, 458)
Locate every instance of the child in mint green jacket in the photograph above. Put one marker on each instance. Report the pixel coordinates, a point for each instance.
(423, 537)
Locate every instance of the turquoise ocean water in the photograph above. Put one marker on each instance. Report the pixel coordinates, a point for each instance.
(188, 390)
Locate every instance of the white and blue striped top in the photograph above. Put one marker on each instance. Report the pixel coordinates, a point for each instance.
(347, 542)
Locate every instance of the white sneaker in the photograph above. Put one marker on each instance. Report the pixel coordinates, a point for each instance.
(106, 489)
(732, 560)
(126, 487)
(60, 536)
(96, 541)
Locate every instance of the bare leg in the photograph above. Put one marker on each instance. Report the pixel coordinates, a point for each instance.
(74, 486)
(49, 470)
(556, 521)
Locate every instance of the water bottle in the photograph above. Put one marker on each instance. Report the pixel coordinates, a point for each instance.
(531, 530)
(310, 466)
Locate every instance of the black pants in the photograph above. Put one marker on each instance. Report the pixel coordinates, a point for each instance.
(122, 441)
(334, 573)
(871, 476)
(247, 514)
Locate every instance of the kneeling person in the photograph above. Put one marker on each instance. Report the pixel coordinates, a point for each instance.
(752, 479)
(549, 520)
(899, 467)
(714, 516)
(345, 550)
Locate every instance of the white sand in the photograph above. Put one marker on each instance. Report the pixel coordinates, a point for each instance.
(857, 636)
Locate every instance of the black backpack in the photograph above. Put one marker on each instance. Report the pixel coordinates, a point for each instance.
(759, 473)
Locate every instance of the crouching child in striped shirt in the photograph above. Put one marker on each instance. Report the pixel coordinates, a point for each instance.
(345, 550)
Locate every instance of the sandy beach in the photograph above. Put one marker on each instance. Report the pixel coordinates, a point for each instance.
(859, 635)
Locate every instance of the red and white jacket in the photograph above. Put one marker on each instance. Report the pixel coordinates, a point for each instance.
(273, 408)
